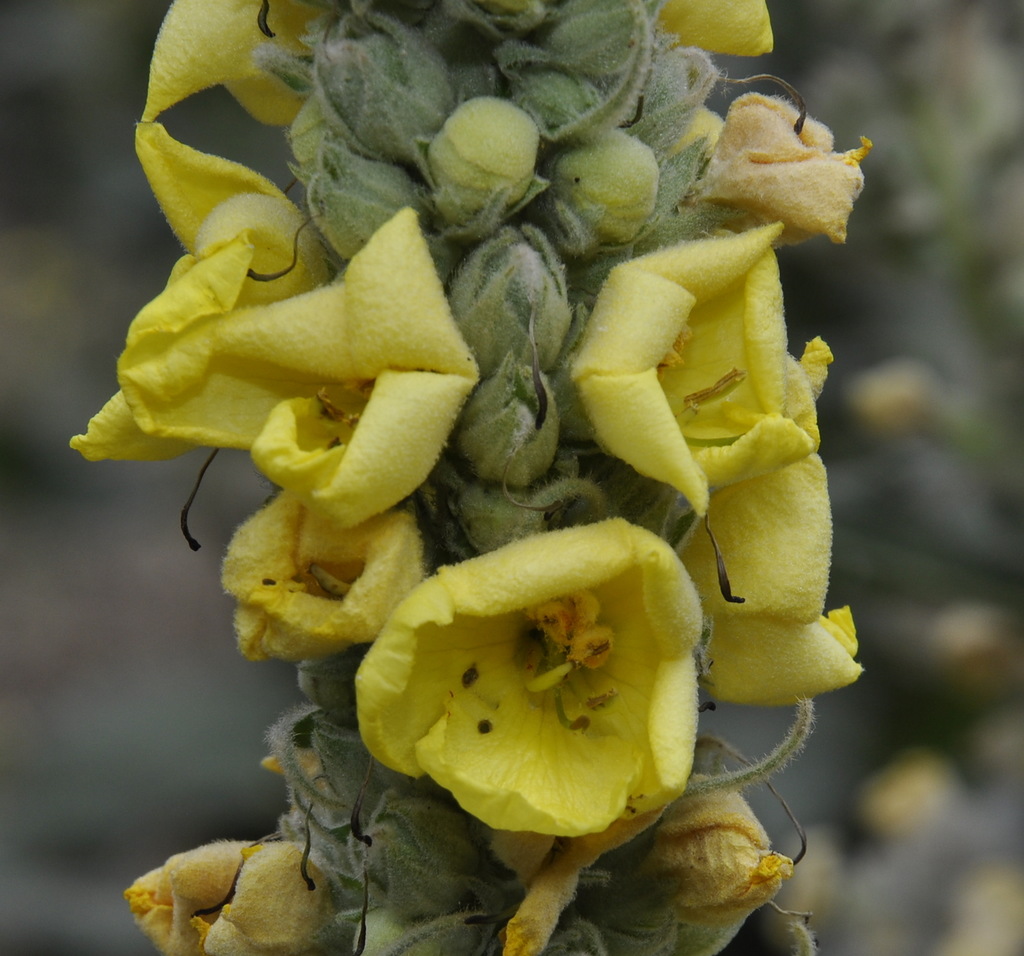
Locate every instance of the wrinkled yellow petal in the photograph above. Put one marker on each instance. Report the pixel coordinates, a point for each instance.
(715, 855)
(203, 43)
(398, 440)
(739, 27)
(113, 433)
(189, 184)
(443, 688)
(164, 900)
(308, 587)
(272, 912)
(772, 648)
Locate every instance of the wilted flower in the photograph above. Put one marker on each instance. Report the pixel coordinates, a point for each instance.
(763, 165)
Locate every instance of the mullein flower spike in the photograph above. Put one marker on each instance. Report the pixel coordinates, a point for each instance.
(515, 357)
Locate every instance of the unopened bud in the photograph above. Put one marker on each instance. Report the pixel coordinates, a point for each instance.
(507, 282)
(388, 88)
(352, 197)
(717, 854)
(482, 159)
(509, 429)
(605, 190)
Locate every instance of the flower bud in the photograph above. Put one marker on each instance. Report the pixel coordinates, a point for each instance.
(482, 159)
(509, 429)
(500, 286)
(490, 520)
(605, 190)
(352, 196)
(715, 852)
(387, 88)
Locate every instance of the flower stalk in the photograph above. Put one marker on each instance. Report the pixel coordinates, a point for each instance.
(518, 342)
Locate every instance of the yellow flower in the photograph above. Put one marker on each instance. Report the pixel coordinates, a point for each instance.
(273, 911)
(761, 164)
(549, 685)
(345, 394)
(203, 43)
(308, 587)
(716, 854)
(684, 372)
(231, 219)
(775, 535)
(740, 27)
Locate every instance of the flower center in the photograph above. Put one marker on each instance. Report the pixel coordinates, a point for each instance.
(568, 638)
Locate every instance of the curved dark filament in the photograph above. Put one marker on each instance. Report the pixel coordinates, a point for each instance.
(304, 862)
(183, 521)
(271, 276)
(791, 92)
(723, 574)
(261, 19)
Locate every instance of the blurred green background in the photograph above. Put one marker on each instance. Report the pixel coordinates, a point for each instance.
(130, 729)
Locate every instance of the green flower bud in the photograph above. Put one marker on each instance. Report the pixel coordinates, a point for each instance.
(484, 156)
(490, 519)
(499, 287)
(387, 88)
(305, 135)
(423, 856)
(583, 70)
(509, 428)
(604, 191)
(351, 197)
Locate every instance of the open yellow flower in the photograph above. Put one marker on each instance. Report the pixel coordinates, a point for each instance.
(204, 43)
(761, 164)
(345, 394)
(307, 587)
(550, 684)
(739, 27)
(683, 371)
(775, 535)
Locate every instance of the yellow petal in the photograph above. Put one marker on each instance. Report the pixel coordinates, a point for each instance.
(308, 587)
(771, 663)
(393, 448)
(113, 433)
(762, 165)
(273, 912)
(740, 27)
(683, 369)
(164, 900)
(189, 184)
(404, 319)
(773, 648)
(775, 535)
(204, 43)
